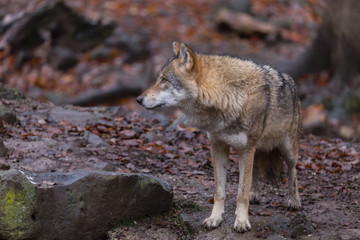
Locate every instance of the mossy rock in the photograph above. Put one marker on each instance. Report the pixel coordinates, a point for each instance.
(17, 206)
(79, 205)
(7, 115)
(9, 93)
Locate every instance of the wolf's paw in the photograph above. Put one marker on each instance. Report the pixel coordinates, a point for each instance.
(212, 222)
(294, 204)
(254, 198)
(242, 226)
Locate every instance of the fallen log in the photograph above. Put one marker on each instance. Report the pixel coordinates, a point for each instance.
(244, 23)
(67, 29)
(107, 95)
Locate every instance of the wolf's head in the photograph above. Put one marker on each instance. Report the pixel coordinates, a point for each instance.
(175, 83)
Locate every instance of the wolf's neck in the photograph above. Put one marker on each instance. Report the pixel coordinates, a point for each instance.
(207, 118)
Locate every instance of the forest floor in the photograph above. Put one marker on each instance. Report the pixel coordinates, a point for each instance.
(46, 137)
(49, 138)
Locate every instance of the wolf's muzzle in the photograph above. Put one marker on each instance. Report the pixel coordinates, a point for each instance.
(139, 99)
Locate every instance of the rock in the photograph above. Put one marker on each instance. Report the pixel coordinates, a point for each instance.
(295, 227)
(101, 54)
(94, 139)
(158, 119)
(78, 205)
(3, 152)
(151, 136)
(77, 118)
(9, 93)
(4, 166)
(299, 225)
(18, 206)
(40, 165)
(55, 97)
(279, 223)
(104, 166)
(7, 115)
(187, 222)
(61, 58)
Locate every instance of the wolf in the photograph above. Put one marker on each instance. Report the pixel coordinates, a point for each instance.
(252, 108)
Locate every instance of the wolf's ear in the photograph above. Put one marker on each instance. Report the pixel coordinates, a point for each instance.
(176, 48)
(187, 57)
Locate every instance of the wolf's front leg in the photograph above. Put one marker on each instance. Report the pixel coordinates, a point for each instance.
(246, 160)
(219, 155)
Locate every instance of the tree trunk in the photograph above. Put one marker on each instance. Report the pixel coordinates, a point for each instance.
(336, 45)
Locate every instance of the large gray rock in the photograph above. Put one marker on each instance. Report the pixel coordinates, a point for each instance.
(78, 205)
(74, 116)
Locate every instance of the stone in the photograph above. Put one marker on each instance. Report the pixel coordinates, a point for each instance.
(62, 58)
(101, 53)
(40, 165)
(9, 93)
(104, 166)
(55, 97)
(299, 226)
(3, 150)
(78, 205)
(17, 206)
(7, 115)
(77, 118)
(279, 223)
(157, 119)
(94, 139)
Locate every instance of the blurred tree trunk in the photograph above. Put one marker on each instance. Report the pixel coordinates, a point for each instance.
(336, 45)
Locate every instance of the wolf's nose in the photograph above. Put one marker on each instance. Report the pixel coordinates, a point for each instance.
(139, 99)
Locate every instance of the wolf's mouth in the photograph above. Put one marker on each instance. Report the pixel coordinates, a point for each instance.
(156, 106)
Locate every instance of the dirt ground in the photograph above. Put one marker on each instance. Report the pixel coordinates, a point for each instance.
(46, 138)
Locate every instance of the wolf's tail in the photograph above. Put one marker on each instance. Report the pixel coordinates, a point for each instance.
(269, 164)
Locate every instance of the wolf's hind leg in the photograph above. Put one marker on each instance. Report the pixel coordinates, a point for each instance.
(219, 155)
(255, 190)
(289, 150)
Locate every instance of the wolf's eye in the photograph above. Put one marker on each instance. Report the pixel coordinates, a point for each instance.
(163, 80)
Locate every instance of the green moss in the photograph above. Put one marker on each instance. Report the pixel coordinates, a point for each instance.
(144, 182)
(352, 103)
(17, 206)
(184, 204)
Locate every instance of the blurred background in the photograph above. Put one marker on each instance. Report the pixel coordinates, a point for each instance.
(103, 52)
